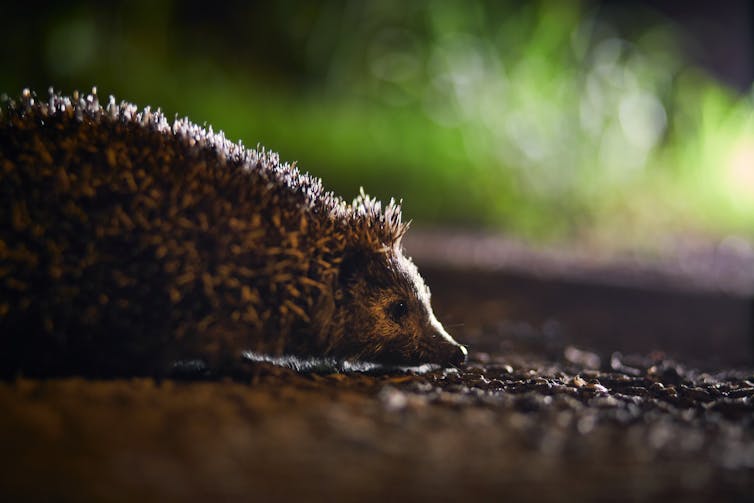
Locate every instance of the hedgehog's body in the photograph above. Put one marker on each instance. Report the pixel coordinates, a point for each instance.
(127, 244)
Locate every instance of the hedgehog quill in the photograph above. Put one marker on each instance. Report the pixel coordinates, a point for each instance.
(128, 243)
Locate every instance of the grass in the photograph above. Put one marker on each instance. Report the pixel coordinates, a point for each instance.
(543, 120)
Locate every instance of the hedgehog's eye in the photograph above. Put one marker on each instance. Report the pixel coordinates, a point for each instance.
(397, 310)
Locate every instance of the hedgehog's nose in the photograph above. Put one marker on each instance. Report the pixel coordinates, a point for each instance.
(458, 355)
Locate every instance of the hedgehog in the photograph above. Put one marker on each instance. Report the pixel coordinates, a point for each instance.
(128, 244)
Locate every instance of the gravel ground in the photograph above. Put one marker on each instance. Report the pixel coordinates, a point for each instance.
(534, 416)
(516, 427)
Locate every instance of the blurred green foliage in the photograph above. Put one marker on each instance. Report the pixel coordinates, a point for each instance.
(542, 119)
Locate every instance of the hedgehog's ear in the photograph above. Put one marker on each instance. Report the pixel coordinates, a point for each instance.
(354, 261)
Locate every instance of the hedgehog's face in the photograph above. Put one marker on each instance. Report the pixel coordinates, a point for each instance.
(388, 316)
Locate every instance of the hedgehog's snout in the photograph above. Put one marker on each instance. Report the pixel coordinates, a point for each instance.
(458, 355)
(447, 350)
(452, 353)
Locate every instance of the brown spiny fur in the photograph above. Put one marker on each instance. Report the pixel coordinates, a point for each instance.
(127, 243)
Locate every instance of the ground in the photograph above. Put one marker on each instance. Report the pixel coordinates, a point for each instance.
(531, 417)
(508, 427)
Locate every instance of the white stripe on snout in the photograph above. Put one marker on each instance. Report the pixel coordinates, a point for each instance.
(440, 329)
(409, 269)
